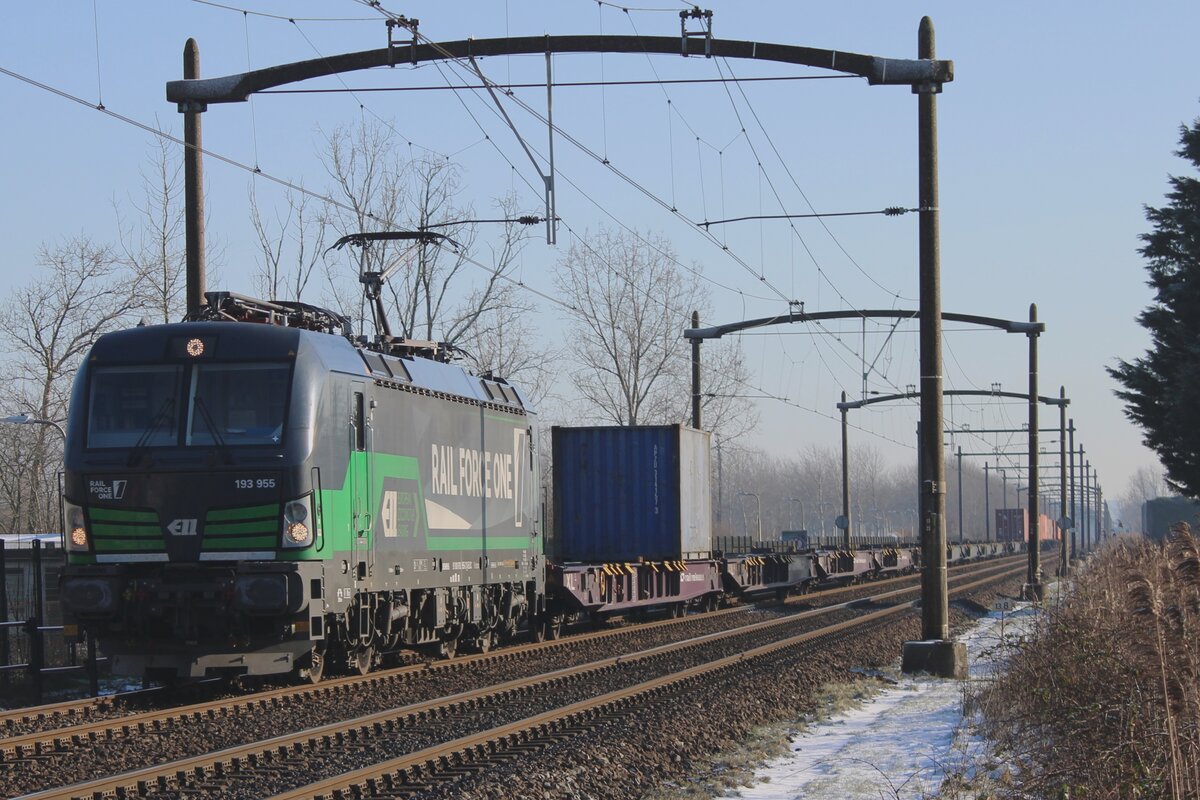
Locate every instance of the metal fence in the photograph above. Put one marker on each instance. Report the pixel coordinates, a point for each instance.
(747, 544)
(34, 646)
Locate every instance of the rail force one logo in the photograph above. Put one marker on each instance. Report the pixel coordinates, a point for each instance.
(107, 490)
(466, 472)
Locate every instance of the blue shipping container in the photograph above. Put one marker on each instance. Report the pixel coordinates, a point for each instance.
(630, 493)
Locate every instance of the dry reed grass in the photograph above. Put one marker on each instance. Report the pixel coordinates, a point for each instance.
(1103, 699)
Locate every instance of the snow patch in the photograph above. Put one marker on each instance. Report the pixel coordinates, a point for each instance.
(899, 744)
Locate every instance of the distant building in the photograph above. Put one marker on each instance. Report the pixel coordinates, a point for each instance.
(1159, 514)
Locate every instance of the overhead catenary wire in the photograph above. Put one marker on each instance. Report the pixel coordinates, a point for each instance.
(282, 17)
(253, 116)
(270, 177)
(787, 170)
(627, 9)
(96, 31)
(720, 152)
(294, 21)
(890, 211)
(605, 162)
(649, 194)
(333, 202)
(587, 196)
(327, 199)
(762, 173)
(620, 173)
(778, 197)
(363, 106)
(595, 156)
(602, 159)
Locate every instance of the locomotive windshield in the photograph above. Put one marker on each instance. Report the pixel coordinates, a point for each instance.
(237, 404)
(204, 405)
(131, 405)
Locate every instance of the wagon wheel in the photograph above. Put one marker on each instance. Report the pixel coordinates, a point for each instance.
(554, 626)
(537, 629)
(485, 641)
(362, 659)
(448, 647)
(315, 670)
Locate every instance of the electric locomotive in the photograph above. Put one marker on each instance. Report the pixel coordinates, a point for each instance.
(256, 492)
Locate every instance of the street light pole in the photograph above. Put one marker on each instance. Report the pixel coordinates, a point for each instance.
(1074, 515)
(758, 504)
(1088, 497)
(846, 476)
(802, 521)
(27, 419)
(987, 505)
(821, 504)
(1064, 519)
(958, 454)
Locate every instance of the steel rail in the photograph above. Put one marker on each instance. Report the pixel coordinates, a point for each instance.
(74, 712)
(228, 706)
(491, 741)
(68, 710)
(211, 763)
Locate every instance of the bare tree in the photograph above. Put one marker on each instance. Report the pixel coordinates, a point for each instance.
(724, 388)
(505, 343)
(81, 292)
(631, 305)
(291, 246)
(370, 182)
(1145, 484)
(20, 480)
(152, 242)
(153, 245)
(437, 290)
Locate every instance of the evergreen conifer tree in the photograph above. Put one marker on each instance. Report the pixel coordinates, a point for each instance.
(1161, 389)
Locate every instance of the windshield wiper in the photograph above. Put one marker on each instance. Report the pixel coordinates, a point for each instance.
(162, 415)
(222, 447)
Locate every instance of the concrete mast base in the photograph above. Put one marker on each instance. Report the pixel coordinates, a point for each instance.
(1033, 592)
(942, 658)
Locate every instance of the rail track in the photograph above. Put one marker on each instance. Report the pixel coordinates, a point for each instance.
(408, 734)
(20, 728)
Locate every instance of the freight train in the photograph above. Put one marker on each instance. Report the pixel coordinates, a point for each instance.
(257, 491)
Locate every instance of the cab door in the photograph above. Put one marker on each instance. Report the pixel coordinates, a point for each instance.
(360, 481)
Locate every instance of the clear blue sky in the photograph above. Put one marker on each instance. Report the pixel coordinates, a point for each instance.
(1060, 124)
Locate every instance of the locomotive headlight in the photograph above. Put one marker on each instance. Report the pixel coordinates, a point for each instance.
(77, 533)
(297, 523)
